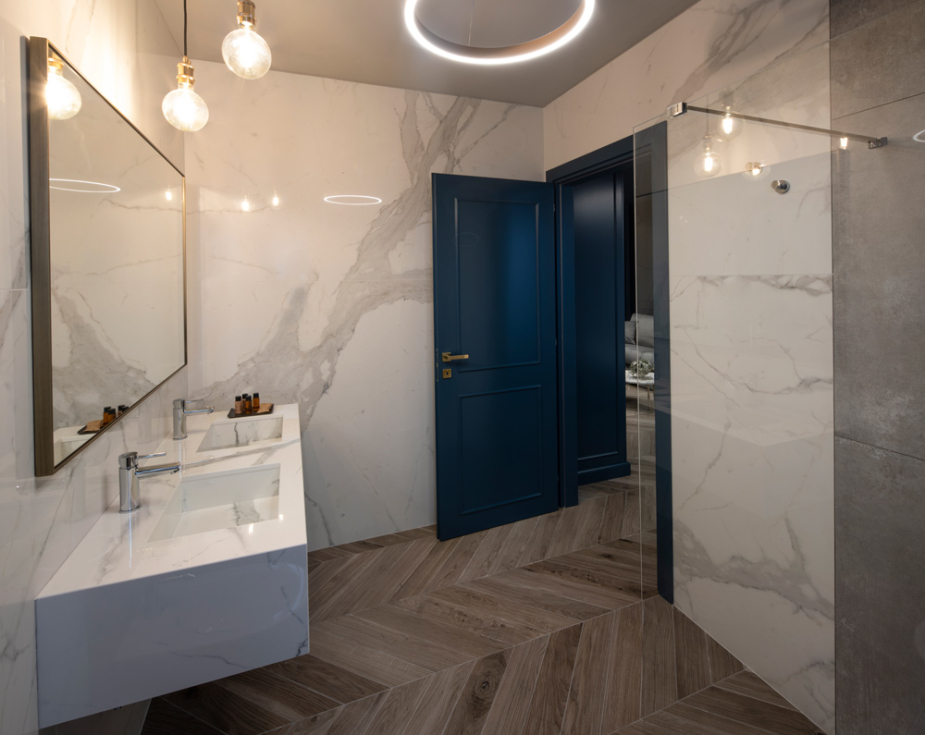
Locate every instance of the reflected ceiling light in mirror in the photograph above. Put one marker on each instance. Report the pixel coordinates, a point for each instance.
(708, 163)
(183, 108)
(502, 54)
(61, 96)
(82, 187)
(244, 50)
(355, 200)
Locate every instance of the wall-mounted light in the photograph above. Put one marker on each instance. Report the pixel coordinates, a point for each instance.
(500, 55)
(843, 143)
(708, 163)
(61, 95)
(169, 195)
(755, 170)
(355, 200)
(275, 200)
(244, 50)
(245, 205)
(183, 108)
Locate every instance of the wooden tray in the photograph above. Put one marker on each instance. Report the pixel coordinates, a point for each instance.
(265, 410)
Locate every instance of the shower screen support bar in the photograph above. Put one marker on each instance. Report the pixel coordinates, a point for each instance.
(682, 107)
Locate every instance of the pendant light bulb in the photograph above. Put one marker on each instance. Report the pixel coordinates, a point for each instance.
(708, 163)
(61, 95)
(729, 126)
(244, 50)
(183, 108)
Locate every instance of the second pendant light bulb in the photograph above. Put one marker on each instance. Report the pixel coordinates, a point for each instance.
(244, 51)
(183, 108)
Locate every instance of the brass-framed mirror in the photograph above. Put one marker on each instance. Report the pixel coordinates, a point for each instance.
(108, 250)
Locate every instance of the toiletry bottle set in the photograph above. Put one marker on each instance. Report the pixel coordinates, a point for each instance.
(246, 404)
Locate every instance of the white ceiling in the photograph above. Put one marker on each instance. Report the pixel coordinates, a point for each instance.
(366, 40)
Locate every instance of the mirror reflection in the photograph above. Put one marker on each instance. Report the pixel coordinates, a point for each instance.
(116, 265)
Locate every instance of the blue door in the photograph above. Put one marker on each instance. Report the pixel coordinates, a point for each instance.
(495, 352)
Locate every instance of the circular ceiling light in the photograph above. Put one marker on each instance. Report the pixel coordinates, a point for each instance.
(919, 137)
(355, 200)
(487, 56)
(84, 187)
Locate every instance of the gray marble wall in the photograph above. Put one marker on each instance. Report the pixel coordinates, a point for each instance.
(125, 48)
(878, 88)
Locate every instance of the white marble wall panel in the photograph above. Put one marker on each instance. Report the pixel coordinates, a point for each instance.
(128, 52)
(752, 389)
(332, 306)
(709, 46)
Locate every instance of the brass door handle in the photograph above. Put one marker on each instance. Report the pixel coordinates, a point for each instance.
(450, 357)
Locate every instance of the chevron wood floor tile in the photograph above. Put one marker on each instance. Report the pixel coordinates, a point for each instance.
(547, 626)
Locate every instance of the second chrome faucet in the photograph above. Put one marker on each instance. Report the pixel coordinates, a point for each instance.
(180, 412)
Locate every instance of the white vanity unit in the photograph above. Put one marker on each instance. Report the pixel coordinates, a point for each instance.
(208, 578)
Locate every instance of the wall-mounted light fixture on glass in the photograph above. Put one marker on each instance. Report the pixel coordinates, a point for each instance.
(183, 108)
(62, 97)
(730, 126)
(755, 170)
(244, 50)
(708, 163)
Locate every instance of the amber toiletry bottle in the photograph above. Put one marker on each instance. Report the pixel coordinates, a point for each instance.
(238, 405)
(107, 416)
(247, 403)
(255, 403)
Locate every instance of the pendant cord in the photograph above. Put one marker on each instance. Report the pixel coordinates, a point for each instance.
(185, 24)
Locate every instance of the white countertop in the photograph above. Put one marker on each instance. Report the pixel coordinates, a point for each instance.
(118, 547)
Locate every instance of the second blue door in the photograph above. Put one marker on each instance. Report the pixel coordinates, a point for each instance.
(495, 352)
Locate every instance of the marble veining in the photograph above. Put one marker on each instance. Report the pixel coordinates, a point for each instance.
(710, 46)
(752, 399)
(207, 578)
(338, 316)
(41, 521)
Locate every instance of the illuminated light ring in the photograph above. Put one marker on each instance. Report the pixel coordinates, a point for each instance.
(919, 137)
(102, 188)
(502, 54)
(367, 200)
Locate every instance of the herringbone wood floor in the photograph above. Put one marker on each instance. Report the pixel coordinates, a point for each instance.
(546, 626)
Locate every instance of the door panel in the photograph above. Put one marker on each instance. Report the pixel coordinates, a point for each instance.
(494, 300)
(599, 241)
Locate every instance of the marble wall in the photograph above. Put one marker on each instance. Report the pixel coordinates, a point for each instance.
(878, 53)
(709, 46)
(751, 324)
(328, 305)
(126, 49)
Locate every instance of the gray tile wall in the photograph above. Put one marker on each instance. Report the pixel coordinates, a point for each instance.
(878, 88)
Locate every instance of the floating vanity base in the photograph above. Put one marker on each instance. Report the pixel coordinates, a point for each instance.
(207, 579)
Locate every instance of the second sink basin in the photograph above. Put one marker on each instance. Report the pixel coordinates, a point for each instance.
(210, 502)
(242, 432)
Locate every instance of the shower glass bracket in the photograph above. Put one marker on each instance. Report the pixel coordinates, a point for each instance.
(682, 108)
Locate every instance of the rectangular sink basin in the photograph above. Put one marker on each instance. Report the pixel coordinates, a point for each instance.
(241, 433)
(203, 503)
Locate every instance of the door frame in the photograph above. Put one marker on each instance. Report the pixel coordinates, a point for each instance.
(560, 177)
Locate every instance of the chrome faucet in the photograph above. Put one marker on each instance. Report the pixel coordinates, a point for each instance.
(129, 474)
(180, 412)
